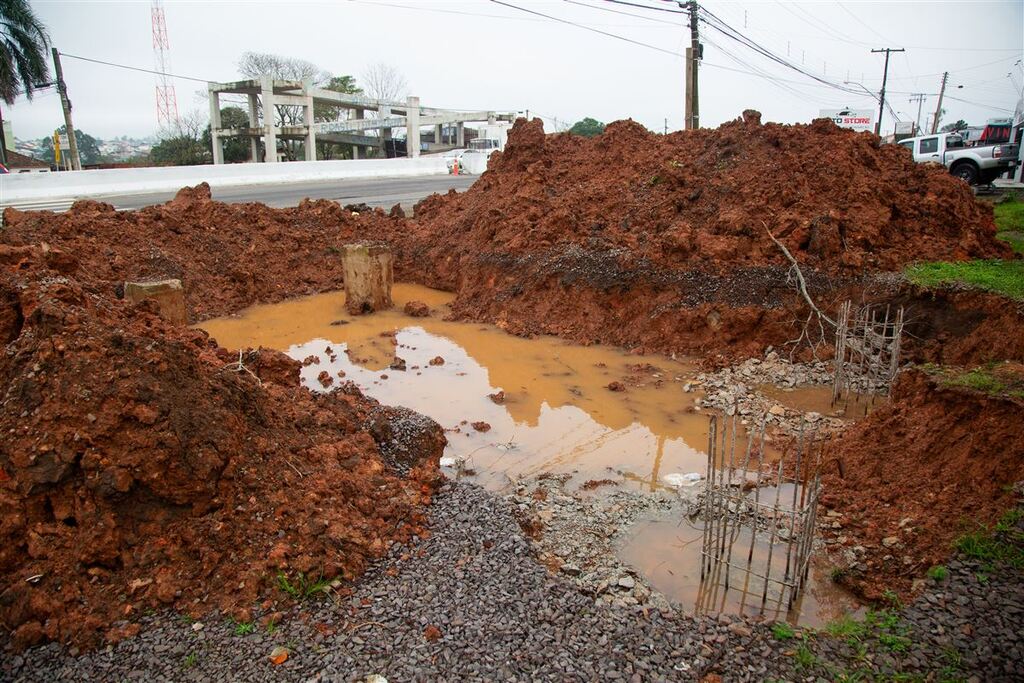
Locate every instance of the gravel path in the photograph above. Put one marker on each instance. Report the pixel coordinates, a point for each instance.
(471, 602)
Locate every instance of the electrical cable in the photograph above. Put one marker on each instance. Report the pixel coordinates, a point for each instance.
(587, 28)
(657, 9)
(135, 68)
(626, 14)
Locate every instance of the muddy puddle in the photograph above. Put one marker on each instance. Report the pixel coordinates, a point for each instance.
(818, 399)
(557, 414)
(668, 553)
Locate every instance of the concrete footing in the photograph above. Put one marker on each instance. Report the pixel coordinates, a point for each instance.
(368, 272)
(168, 294)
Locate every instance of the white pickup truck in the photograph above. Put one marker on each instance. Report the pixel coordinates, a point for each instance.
(973, 164)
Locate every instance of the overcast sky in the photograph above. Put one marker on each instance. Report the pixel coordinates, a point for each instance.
(476, 54)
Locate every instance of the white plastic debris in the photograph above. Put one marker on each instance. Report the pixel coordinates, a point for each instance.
(375, 678)
(449, 461)
(677, 480)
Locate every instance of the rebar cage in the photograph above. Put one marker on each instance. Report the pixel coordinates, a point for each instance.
(734, 506)
(867, 353)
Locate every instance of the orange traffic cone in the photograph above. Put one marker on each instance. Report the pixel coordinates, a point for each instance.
(455, 167)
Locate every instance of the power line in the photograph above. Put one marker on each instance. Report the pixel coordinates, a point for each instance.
(626, 14)
(135, 68)
(587, 28)
(658, 9)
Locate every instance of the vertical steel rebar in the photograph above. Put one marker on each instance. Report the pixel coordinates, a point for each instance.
(774, 530)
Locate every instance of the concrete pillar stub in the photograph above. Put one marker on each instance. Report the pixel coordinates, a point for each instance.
(168, 294)
(460, 134)
(369, 274)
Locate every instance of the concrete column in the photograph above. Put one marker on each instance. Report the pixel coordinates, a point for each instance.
(412, 137)
(269, 127)
(438, 133)
(308, 120)
(460, 134)
(215, 124)
(367, 268)
(168, 295)
(355, 151)
(254, 119)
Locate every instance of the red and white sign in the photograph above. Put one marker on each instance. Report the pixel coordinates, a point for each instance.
(854, 119)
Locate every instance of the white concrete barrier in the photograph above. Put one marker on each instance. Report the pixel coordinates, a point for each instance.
(119, 181)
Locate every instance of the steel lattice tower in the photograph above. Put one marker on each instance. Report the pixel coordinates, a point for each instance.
(166, 100)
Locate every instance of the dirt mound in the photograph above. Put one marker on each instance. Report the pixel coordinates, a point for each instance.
(661, 241)
(228, 256)
(925, 469)
(703, 200)
(143, 467)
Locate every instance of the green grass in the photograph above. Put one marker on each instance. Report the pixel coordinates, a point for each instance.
(1009, 215)
(244, 628)
(1002, 544)
(302, 587)
(1002, 277)
(782, 631)
(938, 573)
(805, 659)
(190, 660)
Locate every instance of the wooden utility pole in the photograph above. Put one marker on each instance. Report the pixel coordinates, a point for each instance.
(693, 55)
(65, 103)
(938, 107)
(919, 98)
(885, 76)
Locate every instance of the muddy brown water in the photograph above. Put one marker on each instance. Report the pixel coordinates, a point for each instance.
(558, 415)
(668, 553)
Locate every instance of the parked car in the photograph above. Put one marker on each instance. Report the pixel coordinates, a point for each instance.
(981, 164)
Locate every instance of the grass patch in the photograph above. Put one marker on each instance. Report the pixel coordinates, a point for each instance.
(938, 573)
(190, 660)
(1009, 215)
(244, 628)
(995, 379)
(1002, 277)
(1015, 238)
(1002, 544)
(782, 631)
(302, 587)
(805, 659)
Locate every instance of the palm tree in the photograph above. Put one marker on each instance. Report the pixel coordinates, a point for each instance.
(23, 47)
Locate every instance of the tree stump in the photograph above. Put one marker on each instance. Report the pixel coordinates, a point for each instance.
(368, 272)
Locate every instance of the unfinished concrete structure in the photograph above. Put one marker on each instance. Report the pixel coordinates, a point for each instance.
(267, 93)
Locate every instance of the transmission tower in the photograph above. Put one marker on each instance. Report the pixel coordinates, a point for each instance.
(166, 100)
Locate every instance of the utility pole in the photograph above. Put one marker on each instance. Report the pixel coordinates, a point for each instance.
(919, 98)
(693, 56)
(65, 103)
(885, 76)
(938, 107)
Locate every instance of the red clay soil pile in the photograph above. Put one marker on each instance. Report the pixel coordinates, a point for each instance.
(938, 460)
(661, 241)
(144, 467)
(228, 256)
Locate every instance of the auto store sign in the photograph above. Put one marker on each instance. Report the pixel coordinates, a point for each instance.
(854, 119)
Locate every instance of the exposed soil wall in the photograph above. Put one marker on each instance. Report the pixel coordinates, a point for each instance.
(919, 472)
(143, 467)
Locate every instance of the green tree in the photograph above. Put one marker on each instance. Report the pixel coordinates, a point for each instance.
(23, 47)
(236, 150)
(953, 127)
(183, 145)
(587, 127)
(325, 149)
(88, 147)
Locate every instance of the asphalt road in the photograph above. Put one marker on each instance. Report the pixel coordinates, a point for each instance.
(384, 192)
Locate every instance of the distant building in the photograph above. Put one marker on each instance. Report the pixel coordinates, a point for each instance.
(19, 163)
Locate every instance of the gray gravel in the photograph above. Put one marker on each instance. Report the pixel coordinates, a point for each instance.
(502, 616)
